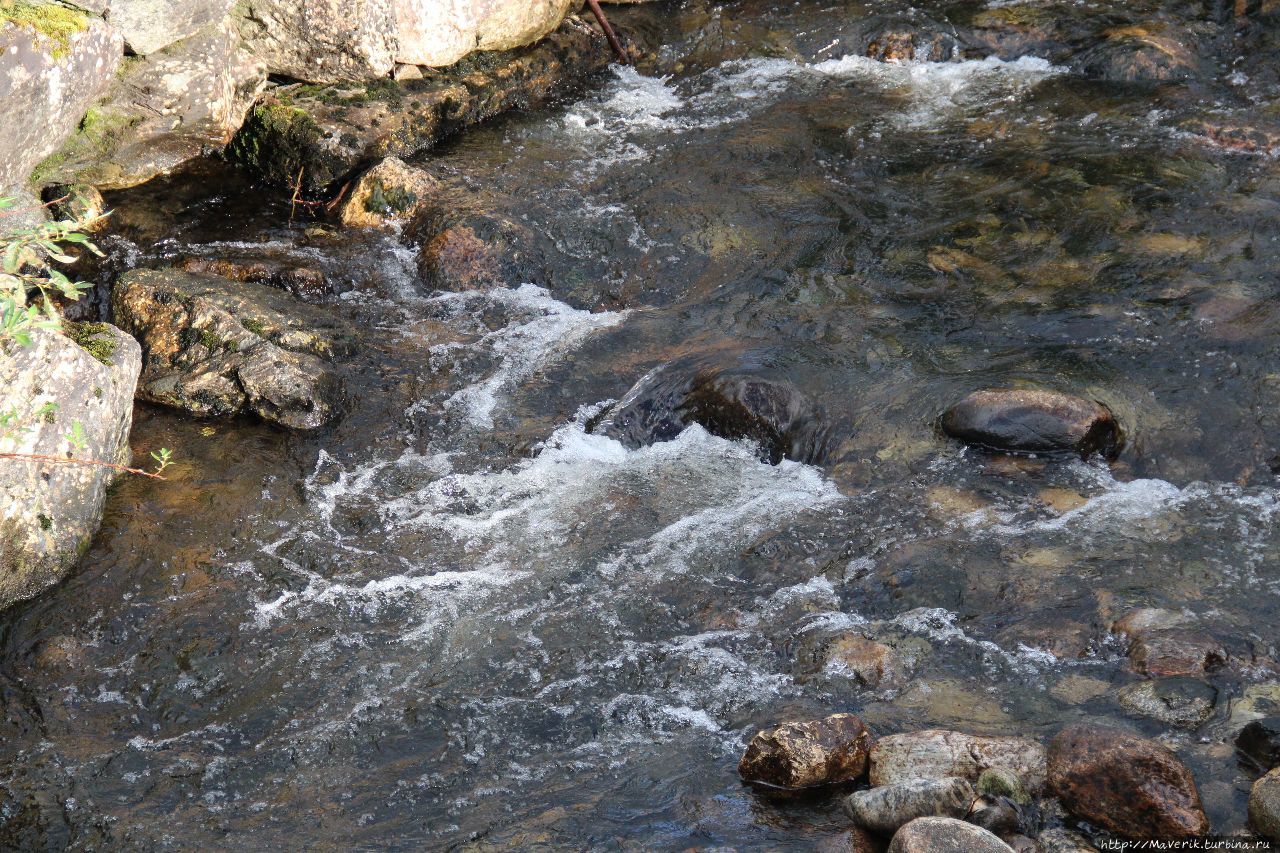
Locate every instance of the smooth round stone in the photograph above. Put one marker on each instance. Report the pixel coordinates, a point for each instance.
(945, 835)
(1032, 421)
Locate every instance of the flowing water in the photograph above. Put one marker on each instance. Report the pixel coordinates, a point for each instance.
(462, 619)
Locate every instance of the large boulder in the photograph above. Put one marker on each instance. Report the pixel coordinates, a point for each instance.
(945, 835)
(329, 41)
(323, 134)
(162, 110)
(213, 346)
(1124, 783)
(795, 755)
(1033, 421)
(942, 754)
(52, 71)
(735, 402)
(152, 25)
(50, 390)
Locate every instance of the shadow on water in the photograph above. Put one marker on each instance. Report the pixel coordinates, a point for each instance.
(462, 617)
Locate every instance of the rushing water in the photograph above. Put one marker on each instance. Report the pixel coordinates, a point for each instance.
(460, 618)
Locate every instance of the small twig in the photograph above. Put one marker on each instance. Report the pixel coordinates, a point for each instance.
(62, 460)
(608, 32)
(297, 191)
(333, 204)
(16, 210)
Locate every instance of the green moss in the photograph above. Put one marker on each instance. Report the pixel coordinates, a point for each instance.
(255, 326)
(390, 201)
(275, 141)
(99, 134)
(93, 338)
(46, 523)
(57, 23)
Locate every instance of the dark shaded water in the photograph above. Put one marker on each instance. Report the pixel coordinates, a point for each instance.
(459, 619)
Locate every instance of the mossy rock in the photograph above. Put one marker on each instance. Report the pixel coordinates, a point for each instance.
(55, 22)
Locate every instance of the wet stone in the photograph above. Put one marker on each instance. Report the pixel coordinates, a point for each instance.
(1124, 783)
(998, 782)
(888, 807)
(1260, 742)
(1176, 652)
(796, 755)
(945, 835)
(1063, 841)
(1182, 702)
(1264, 806)
(940, 754)
(871, 663)
(1033, 421)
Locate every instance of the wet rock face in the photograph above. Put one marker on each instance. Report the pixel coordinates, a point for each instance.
(328, 132)
(945, 835)
(1264, 806)
(1124, 783)
(941, 754)
(888, 807)
(303, 282)
(390, 192)
(1260, 742)
(1033, 422)
(49, 512)
(806, 754)
(214, 346)
(50, 86)
(730, 403)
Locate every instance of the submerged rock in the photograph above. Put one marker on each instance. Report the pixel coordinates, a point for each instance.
(939, 754)
(1176, 652)
(50, 390)
(1183, 702)
(888, 807)
(1141, 53)
(50, 82)
(806, 754)
(945, 835)
(732, 403)
(1124, 783)
(324, 133)
(305, 282)
(1033, 421)
(871, 663)
(219, 347)
(1264, 806)
(1260, 742)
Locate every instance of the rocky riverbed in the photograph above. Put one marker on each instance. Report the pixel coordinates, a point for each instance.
(844, 427)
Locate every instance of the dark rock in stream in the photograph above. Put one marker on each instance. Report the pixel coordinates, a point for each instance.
(797, 755)
(1176, 652)
(300, 281)
(945, 835)
(1186, 703)
(1033, 421)
(732, 403)
(213, 346)
(1260, 742)
(1144, 53)
(324, 133)
(1126, 784)
(888, 807)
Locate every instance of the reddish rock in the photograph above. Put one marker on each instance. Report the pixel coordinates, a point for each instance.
(806, 754)
(1126, 784)
(1167, 653)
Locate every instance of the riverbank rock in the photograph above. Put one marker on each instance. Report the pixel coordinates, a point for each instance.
(152, 25)
(731, 402)
(945, 835)
(389, 193)
(888, 807)
(1264, 806)
(329, 41)
(1033, 421)
(1260, 742)
(161, 111)
(51, 78)
(1186, 703)
(217, 347)
(50, 390)
(806, 754)
(940, 754)
(1124, 783)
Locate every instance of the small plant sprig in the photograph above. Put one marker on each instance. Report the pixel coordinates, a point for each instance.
(28, 278)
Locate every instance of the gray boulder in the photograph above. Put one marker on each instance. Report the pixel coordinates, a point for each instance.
(886, 808)
(49, 83)
(940, 754)
(163, 110)
(1264, 806)
(152, 25)
(50, 390)
(213, 346)
(945, 835)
